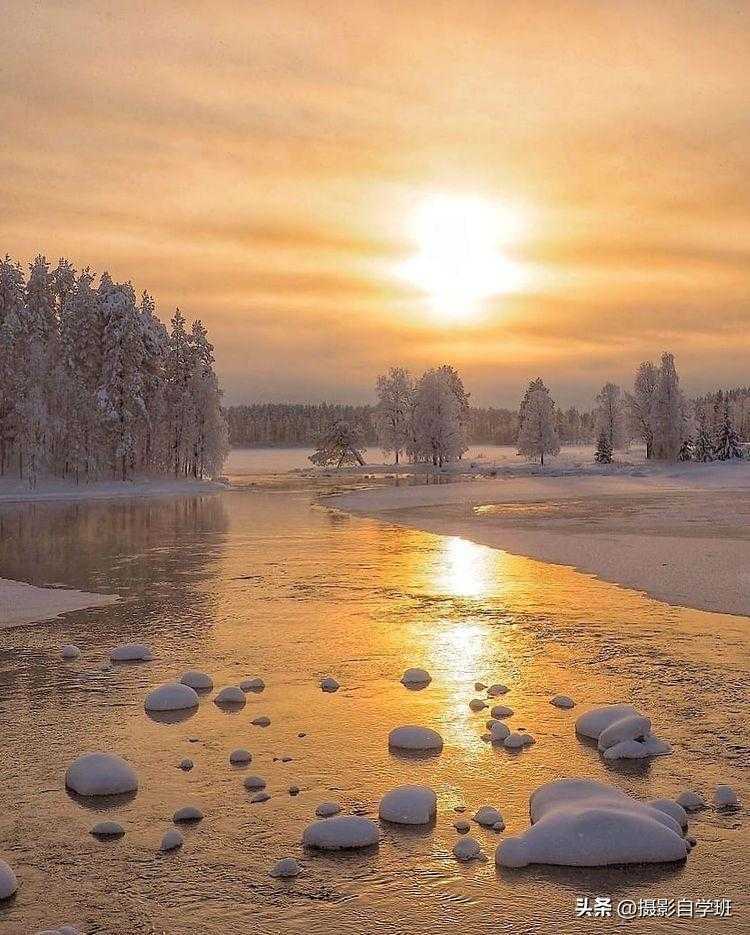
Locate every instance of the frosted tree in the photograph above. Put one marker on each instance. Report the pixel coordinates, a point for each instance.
(603, 453)
(728, 445)
(393, 412)
(339, 445)
(537, 436)
(610, 416)
(667, 412)
(537, 384)
(12, 288)
(639, 404)
(456, 386)
(703, 449)
(210, 435)
(438, 432)
(686, 450)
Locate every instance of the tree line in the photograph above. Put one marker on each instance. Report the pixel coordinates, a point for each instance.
(93, 385)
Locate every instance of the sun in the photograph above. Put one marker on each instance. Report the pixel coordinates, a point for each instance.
(459, 261)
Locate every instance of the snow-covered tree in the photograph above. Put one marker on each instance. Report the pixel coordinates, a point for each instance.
(610, 416)
(338, 446)
(686, 450)
(640, 403)
(703, 449)
(667, 412)
(538, 436)
(392, 414)
(603, 453)
(728, 445)
(438, 419)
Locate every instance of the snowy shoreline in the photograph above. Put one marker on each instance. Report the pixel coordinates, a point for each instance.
(22, 603)
(16, 491)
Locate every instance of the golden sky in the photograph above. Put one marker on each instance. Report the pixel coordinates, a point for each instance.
(260, 164)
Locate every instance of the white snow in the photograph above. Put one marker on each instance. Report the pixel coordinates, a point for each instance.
(22, 603)
(171, 840)
(254, 782)
(621, 733)
(408, 805)
(107, 829)
(70, 651)
(199, 681)
(488, 816)
(285, 868)
(172, 696)
(582, 823)
(629, 727)
(101, 774)
(187, 813)
(50, 488)
(501, 711)
(691, 801)
(262, 721)
(467, 849)
(252, 685)
(342, 832)
(231, 695)
(326, 809)
(240, 756)
(131, 652)
(726, 797)
(416, 677)
(413, 737)
(562, 701)
(8, 881)
(329, 684)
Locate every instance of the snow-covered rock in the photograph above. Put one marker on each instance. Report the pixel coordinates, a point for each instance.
(416, 677)
(240, 756)
(413, 737)
(132, 652)
(462, 826)
(260, 797)
(671, 808)
(497, 689)
(329, 684)
(621, 733)
(488, 817)
(408, 805)
(630, 727)
(327, 809)
(186, 764)
(8, 881)
(70, 651)
(479, 687)
(172, 696)
(467, 849)
(514, 741)
(252, 685)
(200, 681)
(343, 832)
(582, 823)
(231, 695)
(187, 813)
(593, 722)
(498, 732)
(254, 782)
(285, 868)
(478, 704)
(107, 829)
(638, 749)
(726, 797)
(500, 711)
(262, 721)
(691, 801)
(562, 701)
(171, 840)
(101, 774)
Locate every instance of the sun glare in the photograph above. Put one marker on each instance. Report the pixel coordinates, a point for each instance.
(460, 260)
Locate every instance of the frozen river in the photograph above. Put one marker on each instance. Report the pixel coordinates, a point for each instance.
(267, 583)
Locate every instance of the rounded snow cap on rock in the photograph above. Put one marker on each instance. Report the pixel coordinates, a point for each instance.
(467, 849)
(172, 696)
(501, 711)
(200, 681)
(593, 722)
(408, 805)
(462, 825)
(514, 741)
(107, 829)
(498, 731)
(562, 701)
(497, 689)
(171, 840)
(285, 868)
(691, 801)
(231, 695)
(326, 809)
(413, 737)
(187, 813)
(132, 652)
(416, 677)
(262, 721)
(252, 685)
(240, 756)
(343, 832)
(69, 651)
(477, 704)
(254, 782)
(8, 881)
(101, 774)
(260, 797)
(329, 684)
(488, 816)
(726, 797)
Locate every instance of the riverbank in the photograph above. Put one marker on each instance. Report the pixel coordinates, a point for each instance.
(680, 534)
(13, 490)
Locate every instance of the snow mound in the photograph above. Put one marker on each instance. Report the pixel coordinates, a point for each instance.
(187, 813)
(498, 732)
(562, 701)
(726, 797)
(343, 832)
(416, 677)
(172, 696)
(488, 817)
(467, 849)
(262, 721)
(255, 782)
(171, 841)
(260, 797)
(200, 681)
(107, 829)
(638, 749)
(501, 711)
(101, 774)
(285, 868)
(408, 805)
(186, 764)
(329, 684)
(630, 727)
(691, 801)
(240, 755)
(671, 808)
(515, 741)
(582, 823)
(69, 651)
(462, 826)
(326, 809)
(595, 721)
(478, 704)
(252, 685)
(231, 695)
(621, 733)
(412, 737)
(497, 689)
(131, 652)
(8, 881)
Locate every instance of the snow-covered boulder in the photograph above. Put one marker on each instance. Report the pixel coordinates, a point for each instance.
(200, 681)
(562, 701)
(107, 829)
(467, 849)
(726, 797)
(232, 696)
(101, 774)
(329, 684)
(630, 727)
(172, 696)
(638, 749)
(408, 805)
(254, 782)
(8, 881)
(252, 685)
(342, 832)
(593, 722)
(498, 732)
(171, 841)
(186, 764)
(132, 652)
(500, 711)
(413, 737)
(462, 826)
(260, 797)
(285, 868)
(262, 721)
(478, 704)
(327, 809)
(186, 814)
(497, 689)
(515, 741)
(416, 677)
(69, 651)
(240, 756)
(488, 817)
(671, 808)
(582, 823)
(621, 733)
(691, 801)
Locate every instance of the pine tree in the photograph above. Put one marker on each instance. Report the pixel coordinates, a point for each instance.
(703, 450)
(728, 444)
(686, 450)
(603, 453)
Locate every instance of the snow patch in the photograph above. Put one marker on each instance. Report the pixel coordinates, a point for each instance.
(342, 832)
(101, 774)
(172, 696)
